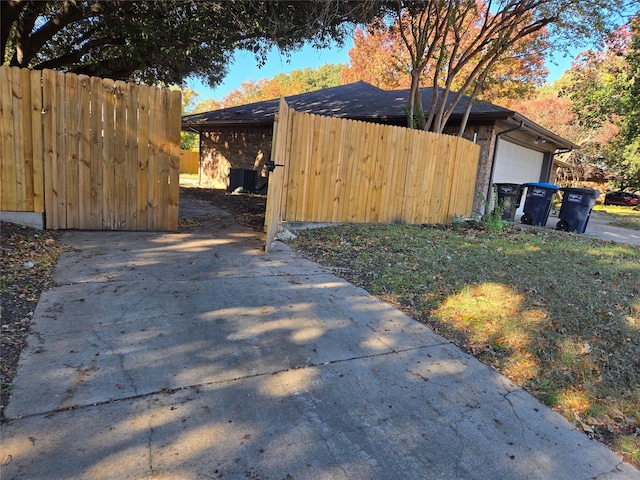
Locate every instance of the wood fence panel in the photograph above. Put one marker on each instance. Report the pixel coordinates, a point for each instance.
(49, 148)
(409, 164)
(412, 172)
(35, 83)
(189, 161)
(363, 176)
(293, 175)
(337, 181)
(108, 149)
(352, 183)
(130, 211)
(61, 145)
(464, 184)
(8, 192)
(330, 168)
(21, 147)
(322, 174)
(98, 111)
(173, 145)
(120, 158)
(84, 151)
(344, 170)
(286, 157)
(154, 159)
(393, 190)
(306, 165)
(71, 134)
(314, 166)
(436, 185)
(163, 159)
(280, 152)
(144, 142)
(347, 151)
(89, 152)
(323, 169)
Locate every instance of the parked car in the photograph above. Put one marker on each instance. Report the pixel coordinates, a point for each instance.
(622, 198)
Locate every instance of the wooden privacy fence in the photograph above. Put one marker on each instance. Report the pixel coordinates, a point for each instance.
(189, 161)
(338, 170)
(91, 153)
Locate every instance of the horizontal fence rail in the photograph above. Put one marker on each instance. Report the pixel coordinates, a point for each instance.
(90, 153)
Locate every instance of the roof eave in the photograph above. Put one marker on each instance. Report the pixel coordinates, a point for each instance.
(561, 143)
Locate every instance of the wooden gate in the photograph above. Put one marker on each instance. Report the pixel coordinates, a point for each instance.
(90, 153)
(280, 144)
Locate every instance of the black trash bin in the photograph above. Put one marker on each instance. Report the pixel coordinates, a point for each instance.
(243, 178)
(538, 203)
(509, 195)
(575, 211)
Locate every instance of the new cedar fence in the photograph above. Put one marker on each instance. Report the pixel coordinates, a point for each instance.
(189, 161)
(338, 170)
(89, 152)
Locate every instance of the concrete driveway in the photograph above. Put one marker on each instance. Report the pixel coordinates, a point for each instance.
(598, 227)
(195, 355)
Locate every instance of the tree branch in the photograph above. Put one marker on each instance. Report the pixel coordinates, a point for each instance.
(75, 56)
(9, 14)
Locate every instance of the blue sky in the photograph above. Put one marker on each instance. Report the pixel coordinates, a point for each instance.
(245, 67)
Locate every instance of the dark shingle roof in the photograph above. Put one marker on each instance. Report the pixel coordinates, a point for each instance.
(362, 101)
(358, 100)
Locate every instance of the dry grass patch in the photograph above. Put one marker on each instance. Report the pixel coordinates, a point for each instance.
(557, 313)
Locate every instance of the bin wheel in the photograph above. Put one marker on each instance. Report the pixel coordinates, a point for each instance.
(527, 219)
(562, 225)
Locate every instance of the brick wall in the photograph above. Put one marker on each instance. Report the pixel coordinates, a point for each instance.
(237, 147)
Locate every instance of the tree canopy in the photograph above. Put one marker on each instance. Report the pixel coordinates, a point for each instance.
(596, 104)
(379, 58)
(297, 81)
(462, 41)
(164, 42)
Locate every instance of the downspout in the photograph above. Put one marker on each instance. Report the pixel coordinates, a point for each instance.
(495, 151)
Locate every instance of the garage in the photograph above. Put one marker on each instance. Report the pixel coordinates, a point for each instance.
(518, 164)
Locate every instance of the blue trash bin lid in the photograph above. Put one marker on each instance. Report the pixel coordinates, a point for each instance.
(549, 186)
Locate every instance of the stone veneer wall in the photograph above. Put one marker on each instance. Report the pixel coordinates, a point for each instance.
(237, 147)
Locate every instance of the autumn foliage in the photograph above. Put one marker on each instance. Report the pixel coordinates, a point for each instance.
(379, 58)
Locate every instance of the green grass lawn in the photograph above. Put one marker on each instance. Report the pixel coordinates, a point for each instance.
(559, 314)
(627, 217)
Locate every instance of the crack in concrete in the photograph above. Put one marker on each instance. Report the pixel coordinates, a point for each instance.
(120, 356)
(150, 440)
(168, 391)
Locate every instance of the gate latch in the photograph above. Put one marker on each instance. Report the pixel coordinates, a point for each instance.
(271, 165)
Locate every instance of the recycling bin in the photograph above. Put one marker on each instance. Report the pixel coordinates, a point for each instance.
(537, 204)
(575, 211)
(509, 195)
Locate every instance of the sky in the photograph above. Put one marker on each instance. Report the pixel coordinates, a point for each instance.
(245, 68)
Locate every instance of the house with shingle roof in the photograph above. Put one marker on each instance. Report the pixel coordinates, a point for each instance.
(513, 148)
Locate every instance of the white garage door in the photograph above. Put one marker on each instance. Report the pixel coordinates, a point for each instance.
(516, 164)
